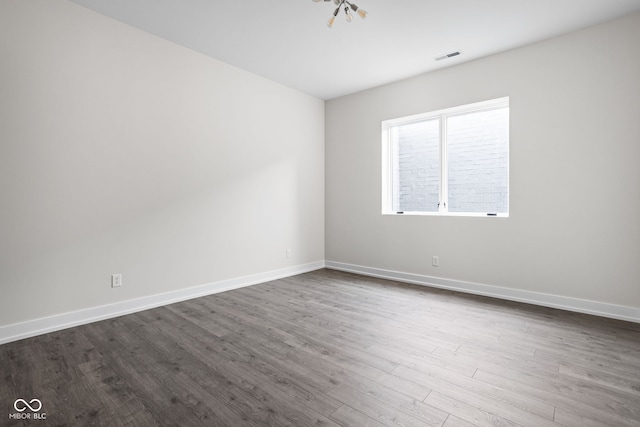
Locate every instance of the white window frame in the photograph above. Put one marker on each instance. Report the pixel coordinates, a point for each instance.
(441, 115)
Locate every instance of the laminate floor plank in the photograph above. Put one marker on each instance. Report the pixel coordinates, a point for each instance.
(249, 325)
(570, 418)
(320, 402)
(385, 414)
(611, 350)
(177, 352)
(349, 417)
(300, 310)
(191, 313)
(480, 394)
(24, 367)
(411, 358)
(274, 402)
(330, 345)
(437, 328)
(254, 411)
(499, 355)
(197, 307)
(329, 348)
(337, 292)
(404, 330)
(386, 394)
(352, 377)
(604, 364)
(295, 369)
(138, 368)
(328, 329)
(105, 399)
(370, 323)
(289, 377)
(481, 324)
(376, 311)
(617, 382)
(218, 413)
(585, 400)
(456, 422)
(490, 364)
(388, 336)
(630, 359)
(466, 412)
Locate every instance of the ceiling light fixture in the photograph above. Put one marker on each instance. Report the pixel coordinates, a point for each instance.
(348, 7)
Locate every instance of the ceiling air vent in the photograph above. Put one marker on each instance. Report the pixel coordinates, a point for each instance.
(448, 55)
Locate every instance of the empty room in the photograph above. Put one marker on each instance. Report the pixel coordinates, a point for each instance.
(320, 213)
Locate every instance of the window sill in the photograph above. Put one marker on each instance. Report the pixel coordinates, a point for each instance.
(455, 214)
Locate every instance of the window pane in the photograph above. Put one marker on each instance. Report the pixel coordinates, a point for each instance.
(415, 150)
(478, 161)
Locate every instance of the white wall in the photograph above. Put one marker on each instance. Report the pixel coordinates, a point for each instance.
(574, 225)
(123, 153)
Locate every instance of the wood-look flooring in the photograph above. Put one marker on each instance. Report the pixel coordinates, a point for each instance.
(332, 349)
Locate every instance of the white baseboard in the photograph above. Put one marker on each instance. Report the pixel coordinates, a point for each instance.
(58, 322)
(620, 312)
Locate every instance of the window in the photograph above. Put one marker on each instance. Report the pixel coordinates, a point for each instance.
(448, 162)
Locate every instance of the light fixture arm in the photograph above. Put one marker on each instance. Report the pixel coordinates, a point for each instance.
(347, 5)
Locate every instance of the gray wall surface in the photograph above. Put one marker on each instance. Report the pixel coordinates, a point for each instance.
(121, 152)
(574, 217)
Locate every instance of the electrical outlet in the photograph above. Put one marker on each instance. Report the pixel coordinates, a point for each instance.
(288, 253)
(116, 280)
(435, 261)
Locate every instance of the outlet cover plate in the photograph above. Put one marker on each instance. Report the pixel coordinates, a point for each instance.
(116, 280)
